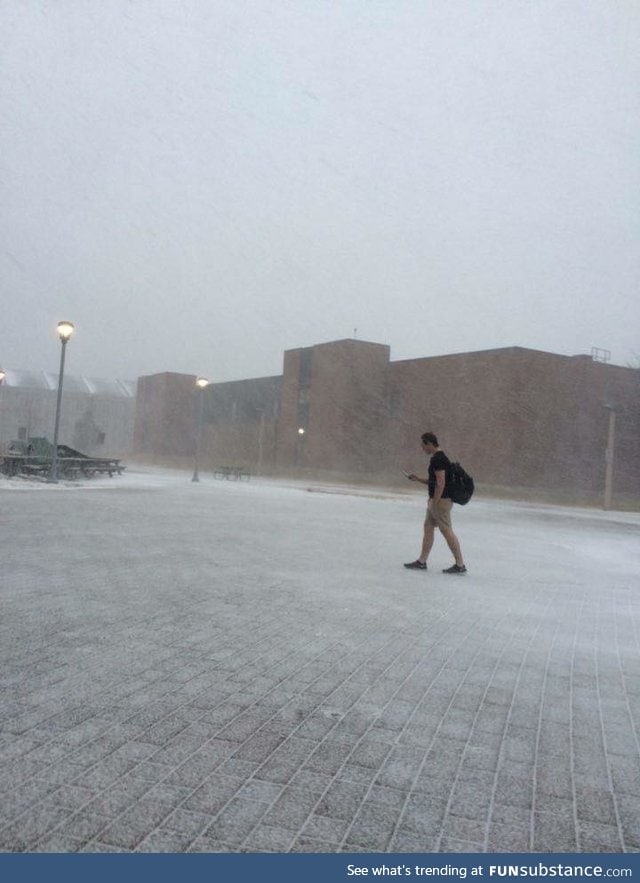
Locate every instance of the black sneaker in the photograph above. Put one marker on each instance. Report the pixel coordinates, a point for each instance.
(416, 565)
(456, 568)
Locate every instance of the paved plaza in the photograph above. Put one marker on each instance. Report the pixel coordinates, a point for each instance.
(247, 667)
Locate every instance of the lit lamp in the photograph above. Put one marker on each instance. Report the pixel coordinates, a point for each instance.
(65, 330)
(202, 383)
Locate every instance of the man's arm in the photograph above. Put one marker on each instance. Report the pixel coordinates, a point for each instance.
(414, 477)
(441, 476)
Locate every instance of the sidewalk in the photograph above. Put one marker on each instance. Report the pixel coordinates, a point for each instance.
(246, 666)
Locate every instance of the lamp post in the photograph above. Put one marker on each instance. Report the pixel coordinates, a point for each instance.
(608, 458)
(2, 377)
(202, 384)
(65, 330)
(260, 442)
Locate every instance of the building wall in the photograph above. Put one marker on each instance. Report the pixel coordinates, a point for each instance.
(473, 402)
(514, 417)
(240, 423)
(165, 415)
(338, 393)
(293, 408)
(518, 417)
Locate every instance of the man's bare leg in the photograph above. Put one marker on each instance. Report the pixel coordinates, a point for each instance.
(454, 545)
(427, 541)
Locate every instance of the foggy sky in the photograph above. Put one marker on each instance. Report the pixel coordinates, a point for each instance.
(201, 184)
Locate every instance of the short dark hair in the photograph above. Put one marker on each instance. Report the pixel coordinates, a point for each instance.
(428, 438)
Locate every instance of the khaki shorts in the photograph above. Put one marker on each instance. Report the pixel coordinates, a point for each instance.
(439, 514)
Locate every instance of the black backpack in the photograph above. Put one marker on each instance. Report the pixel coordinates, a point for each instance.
(460, 484)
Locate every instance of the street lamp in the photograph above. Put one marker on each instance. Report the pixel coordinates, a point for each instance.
(608, 458)
(65, 330)
(202, 384)
(2, 377)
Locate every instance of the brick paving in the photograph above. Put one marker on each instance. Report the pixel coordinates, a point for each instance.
(246, 667)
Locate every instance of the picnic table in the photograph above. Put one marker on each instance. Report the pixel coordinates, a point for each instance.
(233, 473)
(35, 456)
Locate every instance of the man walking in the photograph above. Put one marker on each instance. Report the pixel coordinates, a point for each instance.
(438, 508)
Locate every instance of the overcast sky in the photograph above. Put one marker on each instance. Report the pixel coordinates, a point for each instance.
(201, 184)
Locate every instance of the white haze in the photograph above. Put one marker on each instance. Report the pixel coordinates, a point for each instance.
(199, 185)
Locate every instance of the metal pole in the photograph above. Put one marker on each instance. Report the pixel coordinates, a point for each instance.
(53, 474)
(608, 476)
(2, 376)
(260, 441)
(196, 477)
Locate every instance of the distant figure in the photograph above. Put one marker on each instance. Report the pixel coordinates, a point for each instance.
(438, 508)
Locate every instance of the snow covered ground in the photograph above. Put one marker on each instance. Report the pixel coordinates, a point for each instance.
(247, 665)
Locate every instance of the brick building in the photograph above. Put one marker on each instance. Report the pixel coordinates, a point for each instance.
(515, 417)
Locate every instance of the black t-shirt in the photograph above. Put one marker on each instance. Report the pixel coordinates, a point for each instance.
(438, 461)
